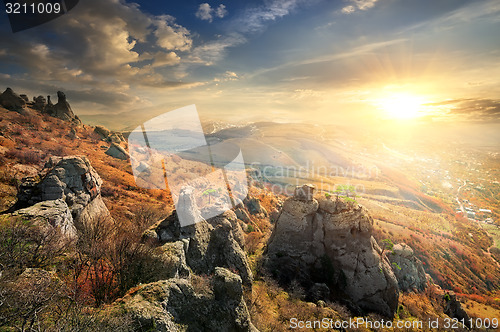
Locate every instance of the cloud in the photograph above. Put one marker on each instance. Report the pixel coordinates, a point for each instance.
(206, 12)
(255, 19)
(471, 109)
(358, 5)
(171, 36)
(99, 47)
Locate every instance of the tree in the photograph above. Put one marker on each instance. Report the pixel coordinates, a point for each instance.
(209, 193)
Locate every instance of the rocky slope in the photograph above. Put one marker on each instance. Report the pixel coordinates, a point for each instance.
(328, 242)
(206, 244)
(173, 305)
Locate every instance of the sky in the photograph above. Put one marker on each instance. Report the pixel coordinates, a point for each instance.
(318, 61)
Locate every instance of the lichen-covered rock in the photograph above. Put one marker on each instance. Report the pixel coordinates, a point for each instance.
(71, 179)
(207, 244)
(55, 213)
(408, 269)
(330, 241)
(173, 305)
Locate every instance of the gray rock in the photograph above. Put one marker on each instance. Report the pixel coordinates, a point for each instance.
(217, 243)
(11, 100)
(55, 213)
(173, 305)
(102, 131)
(39, 103)
(333, 239)
(253, 206)
(71, 179)
(187, 210)
(243, 215)
(116, 151)
(408, 269)
(62, 110)
(305, 192)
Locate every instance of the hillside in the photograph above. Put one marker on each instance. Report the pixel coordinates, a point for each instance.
(454, 251)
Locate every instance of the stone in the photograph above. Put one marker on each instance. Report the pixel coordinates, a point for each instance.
(243, 215)
(254, 207)
(116, 151)
(331, 242)
(62, 110)
(71, 179)
(55, 213)
(173, 305)
(24, 97)
(217, 242)
(11, 100)
(187, 209)
(453, 308)
(39, 103)
(102, 131)
(304, 193)
(408, 269)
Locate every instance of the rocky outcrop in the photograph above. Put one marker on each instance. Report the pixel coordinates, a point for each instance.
(116, 151)
(102, 131)
(408, 269)
(39, 103)
(174, 305)
(55, 213)
(11, 100)
(70, 179)
(453, 308)
(217, 242)
(62, 110)
(330, 241)
(254, 207)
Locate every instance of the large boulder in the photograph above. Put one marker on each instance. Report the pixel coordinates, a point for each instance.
(330, 241)
(11, 100)
(408, 269)
(55, 213)
(174, 305)
(207, 245)
(71, 179)
(62, 110)
(116, 151)
(217, 242)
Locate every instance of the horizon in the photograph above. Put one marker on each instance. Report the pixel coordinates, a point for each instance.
(343, 62)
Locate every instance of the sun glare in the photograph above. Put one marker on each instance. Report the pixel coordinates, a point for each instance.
(403, 106)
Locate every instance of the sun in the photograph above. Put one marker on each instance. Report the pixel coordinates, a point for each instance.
(402, 106)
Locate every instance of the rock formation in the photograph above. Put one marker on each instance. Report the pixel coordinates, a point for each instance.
(217, 242)
(70, 179)
(408, 269)
(39, 103)
(330, 241)
(11, 100)
(254, 207)
(55, 213)
(116, 151)
(62, 110)
(173, 305)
